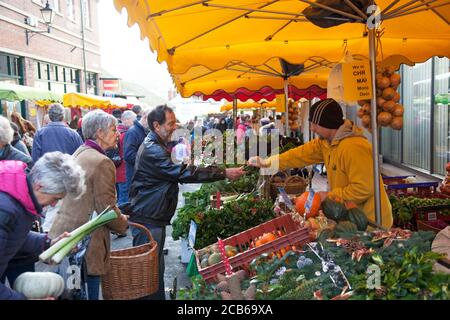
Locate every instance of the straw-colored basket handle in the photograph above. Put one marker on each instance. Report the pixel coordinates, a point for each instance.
(294, 179)
(283, 175)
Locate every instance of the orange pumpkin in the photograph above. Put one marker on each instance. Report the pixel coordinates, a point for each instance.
(315, 206)
(258, 243)
(267, 237)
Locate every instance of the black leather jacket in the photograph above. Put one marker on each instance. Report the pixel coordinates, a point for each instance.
(154, 187)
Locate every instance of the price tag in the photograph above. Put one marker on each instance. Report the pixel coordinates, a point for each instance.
(309, 201)
(192, 234)
(286, 199)
(432, 216)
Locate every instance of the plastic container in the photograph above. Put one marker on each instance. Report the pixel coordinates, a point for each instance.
(432, 213)
(294, 235)
(435, 226)
(420, 189)
(389, 180)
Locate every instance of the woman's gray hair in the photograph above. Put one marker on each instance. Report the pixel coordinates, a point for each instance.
(94, 120)
(57, 173)
(6, 132)
(56, 112)
(128, 114)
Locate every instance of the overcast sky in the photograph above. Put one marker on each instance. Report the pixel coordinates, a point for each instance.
(125, 55)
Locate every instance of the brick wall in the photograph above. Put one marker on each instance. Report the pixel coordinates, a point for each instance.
(62, 46)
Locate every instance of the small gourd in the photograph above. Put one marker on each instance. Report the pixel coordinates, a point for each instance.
(334, 210)
(358, 217)
(39, 285)
(345, 227)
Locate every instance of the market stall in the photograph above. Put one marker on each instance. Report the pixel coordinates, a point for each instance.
(253, 34)
(16, 93)
(81, 100)
(305, 250)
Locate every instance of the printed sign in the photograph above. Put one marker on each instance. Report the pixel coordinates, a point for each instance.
(286, 199)
(309, 201)
(111, 85)
(357, 81)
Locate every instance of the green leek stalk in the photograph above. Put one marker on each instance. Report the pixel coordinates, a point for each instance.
(68, 243)
(229, 198)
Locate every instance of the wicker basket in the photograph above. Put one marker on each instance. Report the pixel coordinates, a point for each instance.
(132, 272)
(291, 184)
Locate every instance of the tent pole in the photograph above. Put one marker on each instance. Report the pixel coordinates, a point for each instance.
(286, 104)
(373, 109)
(234, 113)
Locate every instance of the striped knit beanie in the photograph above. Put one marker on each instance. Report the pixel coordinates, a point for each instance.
(326, 113)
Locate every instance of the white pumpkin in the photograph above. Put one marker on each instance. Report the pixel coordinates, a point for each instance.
(39, 285)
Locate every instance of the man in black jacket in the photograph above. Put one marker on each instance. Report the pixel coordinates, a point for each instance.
(131, 143)
(154, 188)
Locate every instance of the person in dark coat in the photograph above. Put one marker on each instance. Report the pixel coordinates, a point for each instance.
(154, 188)
(122, 186)
(22, 197)
(17, 140)
(56, 136)
(131, 143)
(221, 126)
(137, 109)
(7, 151)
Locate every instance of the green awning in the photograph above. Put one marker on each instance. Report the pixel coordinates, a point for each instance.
(15, 92)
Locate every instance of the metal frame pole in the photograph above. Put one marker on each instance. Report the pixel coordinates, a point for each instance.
(84, 45)
(286, 105)
(234, 113)
(376, 168)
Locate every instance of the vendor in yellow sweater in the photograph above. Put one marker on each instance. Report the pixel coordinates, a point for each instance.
(347, 156)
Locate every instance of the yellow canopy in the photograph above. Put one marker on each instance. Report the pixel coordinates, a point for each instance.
(250, 104)
(82, 100)
(187, 33)
(236, 75)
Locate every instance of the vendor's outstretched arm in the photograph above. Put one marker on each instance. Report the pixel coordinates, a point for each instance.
(307, 154)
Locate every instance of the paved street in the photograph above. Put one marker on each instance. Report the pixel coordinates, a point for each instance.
(174, 267)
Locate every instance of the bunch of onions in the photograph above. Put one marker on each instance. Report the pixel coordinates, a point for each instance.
(56, 253)
(389, 111)
(293, 110)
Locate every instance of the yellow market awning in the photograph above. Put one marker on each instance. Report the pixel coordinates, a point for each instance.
(237, 74)
(187, 33)
(252, 105)
(81, 100)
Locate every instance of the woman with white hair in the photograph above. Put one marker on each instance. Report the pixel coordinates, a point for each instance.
(100, 133)
(22, 197)
(7, 151)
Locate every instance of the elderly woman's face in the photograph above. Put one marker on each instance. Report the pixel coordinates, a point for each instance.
(108, 139)
(46, 199)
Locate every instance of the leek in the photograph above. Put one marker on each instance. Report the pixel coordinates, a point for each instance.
(229, 198)
(60, 249)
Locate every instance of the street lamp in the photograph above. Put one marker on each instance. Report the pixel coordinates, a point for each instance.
(47, 14)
